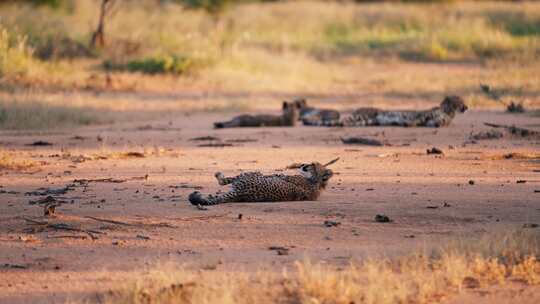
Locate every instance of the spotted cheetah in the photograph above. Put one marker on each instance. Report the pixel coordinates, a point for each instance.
(436, 117)
(311, 116)
(288, 118)
(256, 187)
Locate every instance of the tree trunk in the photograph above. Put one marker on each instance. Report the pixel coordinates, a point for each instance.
(98, 37)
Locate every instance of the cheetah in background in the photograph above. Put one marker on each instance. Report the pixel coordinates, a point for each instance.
(288, 118)
(436, 117)
(311, 116)
(256, 187)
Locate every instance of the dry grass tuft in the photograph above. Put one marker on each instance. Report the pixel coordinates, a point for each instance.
(515, 155)
(420, 278)
(9, 162)
(528, 271)
(15, 55)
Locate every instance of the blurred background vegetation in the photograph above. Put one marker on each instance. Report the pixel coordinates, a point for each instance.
(246, 45)
(180, 36)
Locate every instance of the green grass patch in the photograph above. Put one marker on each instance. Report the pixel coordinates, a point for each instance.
(348, 39)
(155, 65)
(450, 39)
(525, 23)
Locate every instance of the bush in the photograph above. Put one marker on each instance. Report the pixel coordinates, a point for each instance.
(51, 3)
(211, 6)
(155, 65)
(517, 24)
(60, 47)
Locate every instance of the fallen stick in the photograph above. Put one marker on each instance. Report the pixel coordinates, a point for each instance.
(109, 221)
(34, 221)
(361, 141)
(514, 130)
(49, 191)
(46, 200)
(62, 226)
(82, 237)
(201, 218)
(85, 181)
(202, 138)
(216, 145)
(15, 266)
(99, 180)
(138, 224)
(162, 224)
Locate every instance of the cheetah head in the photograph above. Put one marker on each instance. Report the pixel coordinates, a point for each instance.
(291, 111)
(317, 173)
(452, 104)
(300, 102)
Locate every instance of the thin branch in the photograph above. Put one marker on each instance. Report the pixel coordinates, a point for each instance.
(200, 218)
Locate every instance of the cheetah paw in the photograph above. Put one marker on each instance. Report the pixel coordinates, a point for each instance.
(196, 198)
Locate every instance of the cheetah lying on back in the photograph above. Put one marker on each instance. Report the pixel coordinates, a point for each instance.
(288, 118)
(256, 187)
(436, 117)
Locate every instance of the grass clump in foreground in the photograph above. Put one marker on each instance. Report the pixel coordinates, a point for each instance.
(8, 162)
(420, 278)
(37, 115)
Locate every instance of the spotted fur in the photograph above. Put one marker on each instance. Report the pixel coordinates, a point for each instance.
(436, 117)
(256, 187)
(311, 116)
(288, 118)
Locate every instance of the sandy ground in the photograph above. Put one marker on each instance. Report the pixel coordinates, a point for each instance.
(428, 197)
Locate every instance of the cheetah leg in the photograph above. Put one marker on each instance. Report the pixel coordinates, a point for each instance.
(437, 122)
(222, 180)
(196, 198)
(235, 122)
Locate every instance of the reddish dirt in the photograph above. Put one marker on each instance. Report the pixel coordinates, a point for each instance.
(427, 196)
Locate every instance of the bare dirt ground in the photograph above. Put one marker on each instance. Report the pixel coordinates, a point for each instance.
(428, 197)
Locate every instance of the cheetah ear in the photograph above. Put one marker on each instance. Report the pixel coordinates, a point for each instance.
(331, 162)
(294, 166)
(327, 175)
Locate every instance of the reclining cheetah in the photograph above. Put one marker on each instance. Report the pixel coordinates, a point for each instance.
(287, 119)
(311, 116)
(436, 117)
(256, 187)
